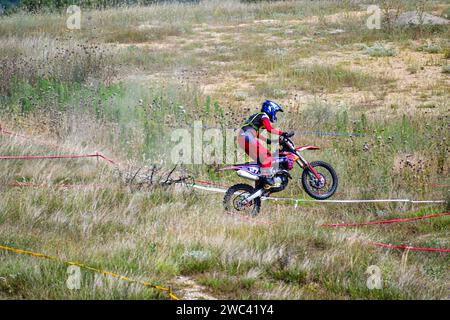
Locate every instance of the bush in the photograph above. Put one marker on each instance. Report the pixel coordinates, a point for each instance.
(430, 48)
(379, 50)
(446, 52)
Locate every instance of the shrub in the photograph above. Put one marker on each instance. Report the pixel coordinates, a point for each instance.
(430, 48)
(379, 50)
(446, 52)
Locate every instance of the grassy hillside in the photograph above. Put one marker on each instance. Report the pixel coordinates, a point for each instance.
(122, 83)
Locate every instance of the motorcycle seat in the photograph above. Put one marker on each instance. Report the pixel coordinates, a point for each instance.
(252, 163)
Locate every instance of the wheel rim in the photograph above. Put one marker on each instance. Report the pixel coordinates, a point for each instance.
(237, 206)
(320, 188)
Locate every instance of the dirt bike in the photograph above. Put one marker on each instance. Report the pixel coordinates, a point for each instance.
(319, 179)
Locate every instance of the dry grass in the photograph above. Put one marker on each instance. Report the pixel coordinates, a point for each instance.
(161, 235)
(147, 69)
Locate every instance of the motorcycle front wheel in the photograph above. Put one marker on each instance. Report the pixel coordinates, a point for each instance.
(324, 189)
(233, 200)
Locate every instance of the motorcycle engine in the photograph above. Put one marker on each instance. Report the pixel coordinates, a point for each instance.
(281, 178)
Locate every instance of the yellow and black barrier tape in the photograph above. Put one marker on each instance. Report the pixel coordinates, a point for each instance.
(167, 291)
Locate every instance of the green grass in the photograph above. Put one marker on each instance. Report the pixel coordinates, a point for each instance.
(327, 77)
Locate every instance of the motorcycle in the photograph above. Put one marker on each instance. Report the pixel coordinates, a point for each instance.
(319, 179)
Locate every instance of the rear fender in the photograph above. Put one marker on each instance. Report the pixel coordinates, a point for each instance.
(249, 168)
(235, 168)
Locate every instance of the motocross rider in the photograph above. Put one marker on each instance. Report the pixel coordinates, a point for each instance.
(249, 139)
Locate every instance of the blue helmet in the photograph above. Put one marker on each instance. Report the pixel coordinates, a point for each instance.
(271, 108)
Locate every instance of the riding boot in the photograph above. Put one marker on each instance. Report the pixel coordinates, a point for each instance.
(267, 178)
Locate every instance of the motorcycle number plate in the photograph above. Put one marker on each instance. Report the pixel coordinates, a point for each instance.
(253, 170)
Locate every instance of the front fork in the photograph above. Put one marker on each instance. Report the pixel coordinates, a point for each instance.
(305, 164)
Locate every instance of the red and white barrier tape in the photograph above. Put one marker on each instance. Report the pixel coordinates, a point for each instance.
(401, 247)
(214, 189)
(220, 190)
(211, 189)
(96, 155)
(51, 145)
(269, 223)
(47, 157)
(34, 140)
(334, 225)
(390, 246)
(210, 183)
(356, 200)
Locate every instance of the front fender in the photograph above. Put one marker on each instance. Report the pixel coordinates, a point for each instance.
(303, 148)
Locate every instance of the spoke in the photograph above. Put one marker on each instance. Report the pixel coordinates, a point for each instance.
(325, 174)
(237, 198)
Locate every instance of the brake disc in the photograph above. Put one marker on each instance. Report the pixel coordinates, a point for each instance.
(240, 203)
(318, 184)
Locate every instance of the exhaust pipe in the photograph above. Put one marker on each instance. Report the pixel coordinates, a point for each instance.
(247, 175)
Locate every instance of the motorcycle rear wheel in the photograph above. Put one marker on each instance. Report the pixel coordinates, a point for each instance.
(237, 193)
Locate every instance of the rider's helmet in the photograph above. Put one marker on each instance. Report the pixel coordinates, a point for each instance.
(271, 108)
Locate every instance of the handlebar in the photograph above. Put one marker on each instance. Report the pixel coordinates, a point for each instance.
(289, 134)
(284, 139)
